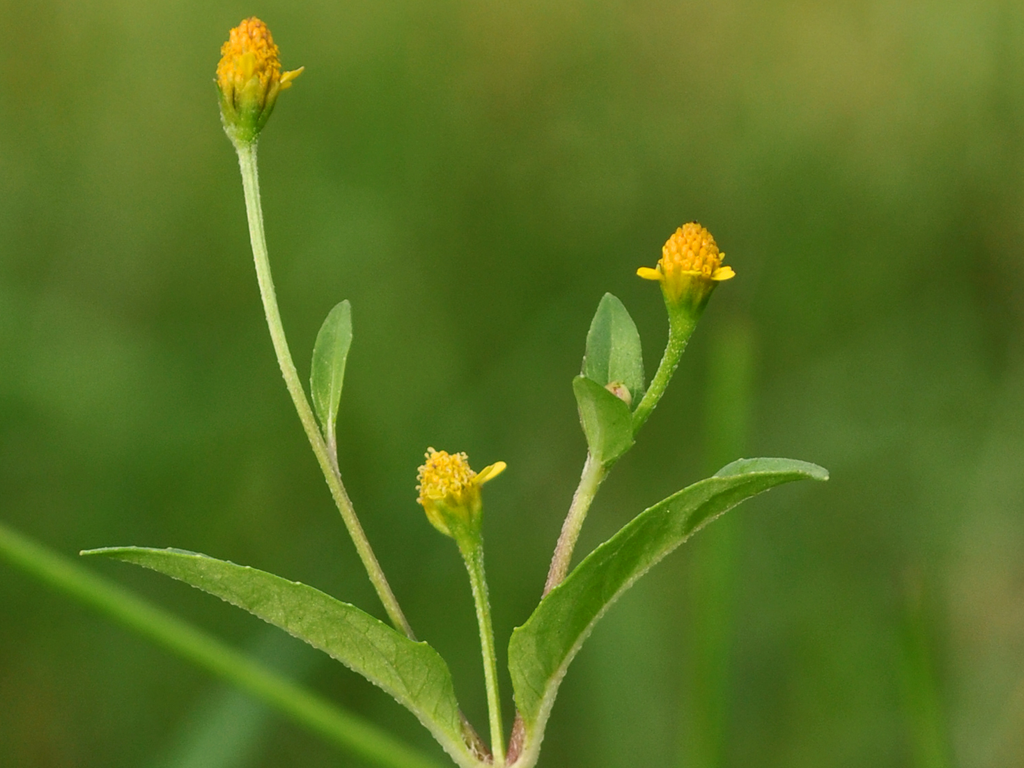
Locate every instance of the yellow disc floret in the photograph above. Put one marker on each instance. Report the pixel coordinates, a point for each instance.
(449, 490)
(249, 78)
(445, 475)
(692, 249)
(249, 51)
(689, 267)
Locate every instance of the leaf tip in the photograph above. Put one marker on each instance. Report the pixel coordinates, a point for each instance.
(97, 551)
(804, 469)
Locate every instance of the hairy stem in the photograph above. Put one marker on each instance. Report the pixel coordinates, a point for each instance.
(251, 185)
(680, 329)
(472, 551)
(593, 475)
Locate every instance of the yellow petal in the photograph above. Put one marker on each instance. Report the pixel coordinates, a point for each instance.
(287, 77)
(723, 273)
(649, 274)
(490, 472)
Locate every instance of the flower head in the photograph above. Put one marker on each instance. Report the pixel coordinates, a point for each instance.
(689, 268)
(249, 78)
(449, 490)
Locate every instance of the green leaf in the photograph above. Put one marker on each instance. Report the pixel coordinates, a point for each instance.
(613, 348)
(413, 673)
(327, 372)
(540, 651)
(607, 421)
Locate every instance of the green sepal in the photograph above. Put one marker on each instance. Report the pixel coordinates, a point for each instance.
(614, 352)
(607, 421)
(411, 672)
(327, 371)
(541, 650)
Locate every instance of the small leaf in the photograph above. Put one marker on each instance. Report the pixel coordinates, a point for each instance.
(607, 421)
(540, 651)
(613, 348)
(327, 372)
(413, 673)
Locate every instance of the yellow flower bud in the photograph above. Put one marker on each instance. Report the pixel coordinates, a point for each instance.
(249, 79)
(449, 491)
(689, 268)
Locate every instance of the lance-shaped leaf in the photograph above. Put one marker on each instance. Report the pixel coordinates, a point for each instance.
(412, 672)
(613, 348)
(327, 371)
(540, 651)
(607, 421)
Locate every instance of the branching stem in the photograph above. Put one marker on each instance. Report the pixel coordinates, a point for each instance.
(680, 328)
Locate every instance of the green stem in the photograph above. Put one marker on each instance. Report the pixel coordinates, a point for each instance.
(472, 550)
(680, 328)
(593, 475)
(254, 209)
(307, 709)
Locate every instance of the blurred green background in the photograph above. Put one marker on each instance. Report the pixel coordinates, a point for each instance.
(473, 176)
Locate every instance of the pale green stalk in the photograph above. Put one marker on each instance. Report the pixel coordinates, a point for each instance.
(328, 463)
(593, 475)
(305, 708)
(472, 551)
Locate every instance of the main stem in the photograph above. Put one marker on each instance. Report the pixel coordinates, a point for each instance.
(254, 209)
(473, 555)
